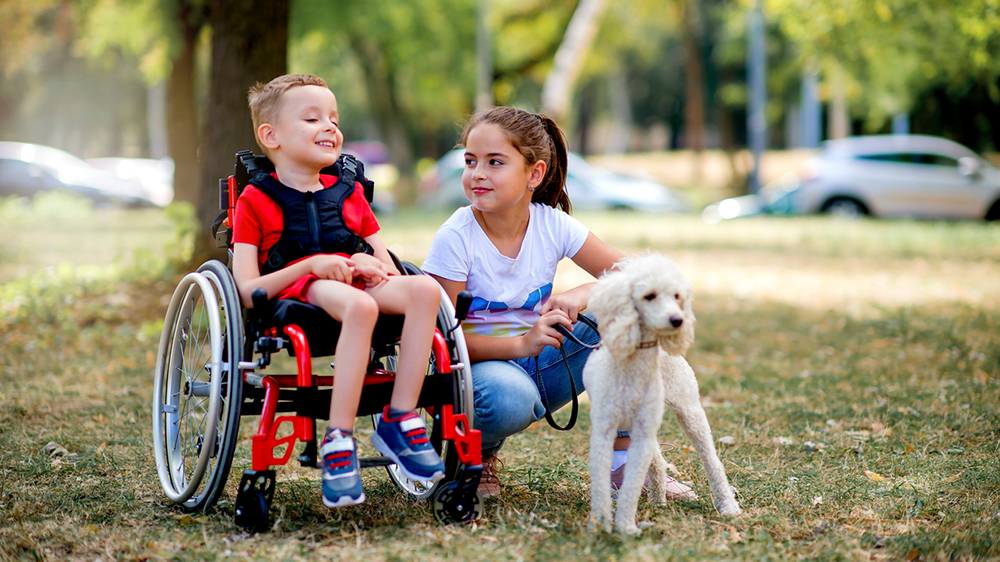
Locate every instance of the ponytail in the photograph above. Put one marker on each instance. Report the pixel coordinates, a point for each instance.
(552, 190)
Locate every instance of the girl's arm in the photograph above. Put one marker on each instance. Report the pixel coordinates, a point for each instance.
(595, 257)
(246, 272)
(485, 348)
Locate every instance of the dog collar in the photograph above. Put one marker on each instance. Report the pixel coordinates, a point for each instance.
(647, 344)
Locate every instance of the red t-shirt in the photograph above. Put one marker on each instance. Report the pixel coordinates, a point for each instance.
(259, 220)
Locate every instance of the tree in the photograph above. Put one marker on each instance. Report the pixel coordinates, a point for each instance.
(249, 45)
(403, 72)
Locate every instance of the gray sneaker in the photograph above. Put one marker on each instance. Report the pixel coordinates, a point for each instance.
(341, 472)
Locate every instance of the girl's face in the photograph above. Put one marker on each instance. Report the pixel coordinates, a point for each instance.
(496, 177)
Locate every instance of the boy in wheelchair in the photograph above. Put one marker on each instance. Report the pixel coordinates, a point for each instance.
(307, 237)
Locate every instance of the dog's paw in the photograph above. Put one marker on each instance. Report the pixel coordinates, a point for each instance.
(630, 529)
(729, 508)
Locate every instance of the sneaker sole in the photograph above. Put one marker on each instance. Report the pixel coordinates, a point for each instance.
(380, 444)
(344, 500)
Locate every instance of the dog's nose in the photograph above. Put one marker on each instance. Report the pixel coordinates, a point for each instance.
(676, 321)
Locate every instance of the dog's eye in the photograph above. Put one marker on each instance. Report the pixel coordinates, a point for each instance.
(677, 296)
(650, 296)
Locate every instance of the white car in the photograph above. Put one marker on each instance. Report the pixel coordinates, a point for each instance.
(589, 187)
(899, 176)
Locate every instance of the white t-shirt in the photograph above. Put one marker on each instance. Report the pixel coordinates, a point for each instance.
(507, 292)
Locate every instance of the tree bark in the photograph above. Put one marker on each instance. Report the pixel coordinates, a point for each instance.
(384, 98)
(694, 88)
(182, 118)
(249, 45)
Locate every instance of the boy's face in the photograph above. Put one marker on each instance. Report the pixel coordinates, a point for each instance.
(306, 130)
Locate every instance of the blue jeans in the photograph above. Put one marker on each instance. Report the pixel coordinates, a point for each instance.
(509, 396)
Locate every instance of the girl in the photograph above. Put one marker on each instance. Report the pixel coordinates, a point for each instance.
(504, 249)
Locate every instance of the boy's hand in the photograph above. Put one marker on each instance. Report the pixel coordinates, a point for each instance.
(373, 270)
(337, 268)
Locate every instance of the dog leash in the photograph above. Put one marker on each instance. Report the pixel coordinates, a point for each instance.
(572, 383)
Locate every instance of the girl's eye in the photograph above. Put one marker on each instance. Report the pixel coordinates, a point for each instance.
(469, 162)
(650, 296)
(495, 162)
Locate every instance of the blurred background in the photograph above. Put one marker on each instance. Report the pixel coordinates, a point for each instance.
(680, 102)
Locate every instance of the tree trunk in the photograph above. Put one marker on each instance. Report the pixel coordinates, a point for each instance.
(384, 99)
(182, 118)
(694, 88)
(249, 45)
(558, 88)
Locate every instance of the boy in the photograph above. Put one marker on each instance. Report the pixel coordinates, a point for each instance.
(346, 271)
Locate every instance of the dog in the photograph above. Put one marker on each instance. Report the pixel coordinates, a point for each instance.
(643, 308)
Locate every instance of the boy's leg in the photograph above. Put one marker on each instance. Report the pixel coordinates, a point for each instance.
(417, 298)
(402, 434)
(358, 313)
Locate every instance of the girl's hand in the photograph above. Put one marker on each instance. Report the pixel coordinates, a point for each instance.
(373, 270)
(330, 266)
(544, 333)
(571, 302)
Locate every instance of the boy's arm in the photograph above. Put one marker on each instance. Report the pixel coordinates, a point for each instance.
(246, 272)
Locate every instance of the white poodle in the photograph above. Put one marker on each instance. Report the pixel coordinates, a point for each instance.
(643, 310)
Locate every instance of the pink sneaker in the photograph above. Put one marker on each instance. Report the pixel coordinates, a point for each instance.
(675, 490)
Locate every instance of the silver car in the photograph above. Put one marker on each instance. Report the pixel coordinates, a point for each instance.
(899, 176)
(881, 176)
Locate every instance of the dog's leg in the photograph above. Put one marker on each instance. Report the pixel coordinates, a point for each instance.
(602, 438)
(640, 454)
(684, 400)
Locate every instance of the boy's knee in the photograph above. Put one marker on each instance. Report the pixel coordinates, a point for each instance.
(427, 289)
(361, 308)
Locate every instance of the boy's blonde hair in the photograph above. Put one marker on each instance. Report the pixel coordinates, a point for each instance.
(265, 99)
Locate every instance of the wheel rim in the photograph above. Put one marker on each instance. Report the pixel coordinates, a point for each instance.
(188, 388)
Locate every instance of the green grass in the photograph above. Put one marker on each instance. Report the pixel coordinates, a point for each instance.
(853, 368)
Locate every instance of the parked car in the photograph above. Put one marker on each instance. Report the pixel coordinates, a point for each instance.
(882, 176)
(590, 187)
(156, 176)
(27, 169)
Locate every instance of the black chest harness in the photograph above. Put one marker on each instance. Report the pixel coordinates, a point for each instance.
(313, 221)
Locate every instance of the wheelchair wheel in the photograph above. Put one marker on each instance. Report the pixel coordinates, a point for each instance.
(448, 325)
(198, 387)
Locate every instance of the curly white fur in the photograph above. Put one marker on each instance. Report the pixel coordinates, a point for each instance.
(644, 299)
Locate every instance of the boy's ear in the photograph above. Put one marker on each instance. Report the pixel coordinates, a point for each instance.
(267, 137)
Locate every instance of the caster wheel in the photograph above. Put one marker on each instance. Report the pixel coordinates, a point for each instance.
(451, 505)
(252, 510)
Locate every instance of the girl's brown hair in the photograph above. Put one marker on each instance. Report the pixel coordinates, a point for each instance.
(536, 137)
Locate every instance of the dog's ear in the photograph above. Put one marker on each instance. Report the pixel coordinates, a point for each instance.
(679, 343)
(618, 320)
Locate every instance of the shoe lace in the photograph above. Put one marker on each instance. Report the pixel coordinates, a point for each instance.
(491, 466)
(337, 460)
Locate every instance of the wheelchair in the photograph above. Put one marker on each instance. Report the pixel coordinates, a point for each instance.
(211, 371)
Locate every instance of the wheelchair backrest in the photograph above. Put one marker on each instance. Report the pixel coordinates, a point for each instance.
(249, 164)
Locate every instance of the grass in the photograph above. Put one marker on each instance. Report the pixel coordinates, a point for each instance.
(850, 371)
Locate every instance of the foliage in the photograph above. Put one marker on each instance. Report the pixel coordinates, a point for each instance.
(892, 49)
(855, 425)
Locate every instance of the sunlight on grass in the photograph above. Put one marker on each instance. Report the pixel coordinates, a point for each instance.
(850, 371)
